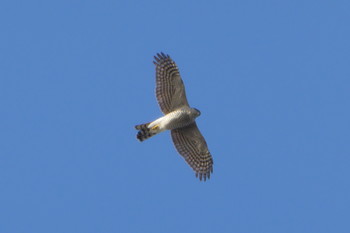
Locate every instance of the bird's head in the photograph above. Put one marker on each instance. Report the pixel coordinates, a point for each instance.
(198, 113)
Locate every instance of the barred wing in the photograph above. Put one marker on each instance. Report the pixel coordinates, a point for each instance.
(170, 90)
(190, 143)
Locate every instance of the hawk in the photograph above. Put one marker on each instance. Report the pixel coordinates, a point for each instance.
(178, 117)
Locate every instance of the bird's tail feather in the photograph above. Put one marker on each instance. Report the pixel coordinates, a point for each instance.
(145, 132)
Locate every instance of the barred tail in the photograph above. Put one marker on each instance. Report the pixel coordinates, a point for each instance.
(144, 132)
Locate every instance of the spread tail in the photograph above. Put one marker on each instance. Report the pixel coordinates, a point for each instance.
(145, 132)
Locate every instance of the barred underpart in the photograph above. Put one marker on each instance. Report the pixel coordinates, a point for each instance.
(171, 96)
(190, 143)
(144, 132)
(170, 90)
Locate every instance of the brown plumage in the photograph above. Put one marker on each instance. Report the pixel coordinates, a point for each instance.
(179, 118)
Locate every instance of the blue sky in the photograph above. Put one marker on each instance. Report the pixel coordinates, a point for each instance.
(271, 78)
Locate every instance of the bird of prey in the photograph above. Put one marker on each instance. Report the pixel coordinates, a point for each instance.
(178, 117)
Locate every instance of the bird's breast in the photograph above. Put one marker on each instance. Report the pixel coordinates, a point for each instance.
(178, 119)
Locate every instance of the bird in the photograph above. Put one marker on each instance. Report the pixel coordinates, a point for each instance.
(178, 117)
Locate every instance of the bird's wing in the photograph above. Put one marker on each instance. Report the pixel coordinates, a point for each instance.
(190, 143)
(170, 90)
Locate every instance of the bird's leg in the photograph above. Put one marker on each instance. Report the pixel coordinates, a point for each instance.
(155, 127)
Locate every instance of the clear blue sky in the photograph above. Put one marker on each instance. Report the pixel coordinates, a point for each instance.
(271, 78)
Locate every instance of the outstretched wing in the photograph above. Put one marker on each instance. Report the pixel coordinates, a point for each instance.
(190, 143)
(170, 90)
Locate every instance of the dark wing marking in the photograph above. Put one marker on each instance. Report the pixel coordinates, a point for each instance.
(170, 90)
(190, 143)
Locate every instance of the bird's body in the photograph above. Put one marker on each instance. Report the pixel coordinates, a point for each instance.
(176, 119)
(179, 118)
